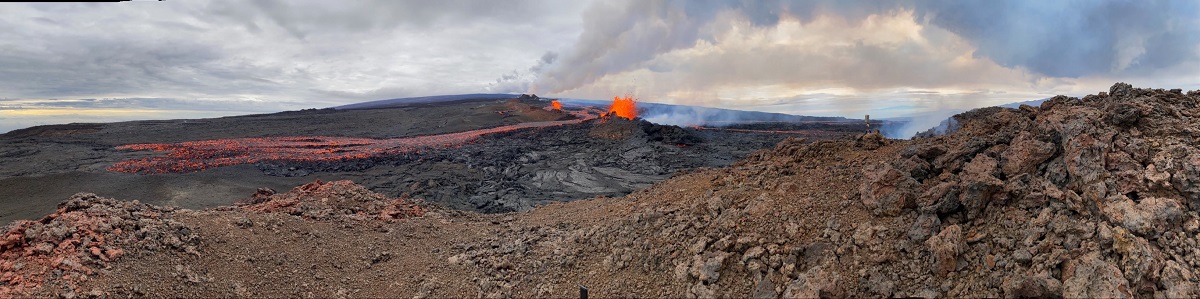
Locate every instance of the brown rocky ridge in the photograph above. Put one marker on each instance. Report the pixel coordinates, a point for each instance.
(1080, 197)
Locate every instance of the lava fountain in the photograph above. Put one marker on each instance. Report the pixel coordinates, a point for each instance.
(556, 105)
(624, 107)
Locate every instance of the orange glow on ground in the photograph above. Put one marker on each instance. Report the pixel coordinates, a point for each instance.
(195, 156)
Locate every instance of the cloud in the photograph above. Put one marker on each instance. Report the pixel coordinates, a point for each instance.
(1074, 38)
(304, 18)
(317, 52)
(887, 59)
(519, 81)
(1057, 39)
(852, 66)
(144, 103)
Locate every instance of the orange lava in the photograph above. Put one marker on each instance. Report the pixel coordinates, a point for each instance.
(624, 107)
(556, 105)
(195, 156)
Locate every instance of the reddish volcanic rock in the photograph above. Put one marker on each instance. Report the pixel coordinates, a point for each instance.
(83, 235)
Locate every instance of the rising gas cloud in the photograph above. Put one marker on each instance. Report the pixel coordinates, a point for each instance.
(1072, 38)
(1018, 47)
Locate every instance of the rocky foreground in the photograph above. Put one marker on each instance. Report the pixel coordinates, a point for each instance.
(1091, 197)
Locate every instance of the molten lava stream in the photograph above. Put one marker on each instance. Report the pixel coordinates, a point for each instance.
(194, 156)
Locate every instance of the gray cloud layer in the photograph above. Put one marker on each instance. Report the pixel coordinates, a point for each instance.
(1074, 38)
(321, 53)
(1046, 38)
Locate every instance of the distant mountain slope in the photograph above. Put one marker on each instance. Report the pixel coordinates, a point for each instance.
(681, 115)
(422, 100)
(1017, 105)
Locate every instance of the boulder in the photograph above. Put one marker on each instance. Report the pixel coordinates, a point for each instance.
(941, 198)
(886, 190)
(1148, 218)
(764, 289)
(1026, 286)
(1139, 262)
(916, 167)
(815, 283)
(708, 267)
(1025, 154)
(925, 226)
(946, 246)
(1177, 281)
(1083, 155)
(979, 186)
(1091, 277)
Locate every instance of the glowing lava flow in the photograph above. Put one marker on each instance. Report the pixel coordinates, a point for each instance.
(556, 105)
(195, 156)
(624, 107)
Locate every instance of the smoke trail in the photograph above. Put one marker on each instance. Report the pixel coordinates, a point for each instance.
(939, 121)
(621, 36)
(521, 81)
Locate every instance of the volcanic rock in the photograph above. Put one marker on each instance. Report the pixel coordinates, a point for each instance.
(925, 226)
(1089, 197)
(1025, 154)
(887, 190)
(816, 283)
(871, 141)
(1177, 281)
(708, 269)
(1091, 277)
(338, 199)
(86, 234)
(1025, 286)
(946, 247)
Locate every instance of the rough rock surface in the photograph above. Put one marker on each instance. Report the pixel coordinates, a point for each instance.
(516, 171)
(1091, 197)
(87, 233)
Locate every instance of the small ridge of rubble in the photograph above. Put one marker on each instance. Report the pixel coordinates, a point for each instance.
(329, 200)
(87, 233)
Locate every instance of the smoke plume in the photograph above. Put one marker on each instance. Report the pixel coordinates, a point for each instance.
(725, 47)
(519, 81)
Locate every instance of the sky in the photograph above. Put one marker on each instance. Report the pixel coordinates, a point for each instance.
(86, 62)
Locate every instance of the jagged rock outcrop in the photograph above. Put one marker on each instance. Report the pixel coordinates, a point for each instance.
(1123, 162)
